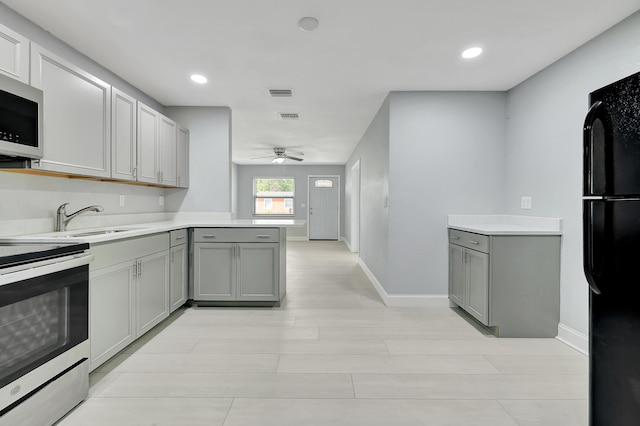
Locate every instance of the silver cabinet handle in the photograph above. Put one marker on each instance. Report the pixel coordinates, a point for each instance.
(180, 238)
(140, 268)
(135, 269)
(455, 238)
(263, 236)
(208, 236)
(474, 242)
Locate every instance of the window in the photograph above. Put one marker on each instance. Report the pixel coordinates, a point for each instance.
(273, 196)
(324, 184)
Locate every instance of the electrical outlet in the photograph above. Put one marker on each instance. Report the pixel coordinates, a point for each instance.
(525, 202)
(121, 200)
(161, 200)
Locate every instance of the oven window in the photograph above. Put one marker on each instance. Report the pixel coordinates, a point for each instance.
(33, 327)
(41, 318)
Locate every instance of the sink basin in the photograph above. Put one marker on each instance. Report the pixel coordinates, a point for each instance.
(94, 233)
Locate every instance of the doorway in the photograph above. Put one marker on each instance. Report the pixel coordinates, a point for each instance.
(324, 207)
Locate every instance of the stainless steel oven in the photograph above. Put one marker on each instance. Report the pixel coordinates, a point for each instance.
(44, 346)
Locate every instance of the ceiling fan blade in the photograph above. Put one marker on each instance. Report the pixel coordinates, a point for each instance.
(258, 158)
(292, 158)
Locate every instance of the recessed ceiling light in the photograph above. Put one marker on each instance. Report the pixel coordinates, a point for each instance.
(472, 52)
(197, 78)
(308, 23)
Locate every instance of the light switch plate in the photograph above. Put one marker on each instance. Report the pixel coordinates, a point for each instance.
(161, 200)
(525, 202)
(121, 200)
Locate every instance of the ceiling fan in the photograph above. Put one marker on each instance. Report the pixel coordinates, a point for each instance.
(280, 156)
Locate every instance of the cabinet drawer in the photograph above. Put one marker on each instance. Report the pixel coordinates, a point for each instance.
(114, 252)
(179, 236)
(236, 235)
(470, 240)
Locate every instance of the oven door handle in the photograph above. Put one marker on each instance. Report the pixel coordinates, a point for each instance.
(44, 267)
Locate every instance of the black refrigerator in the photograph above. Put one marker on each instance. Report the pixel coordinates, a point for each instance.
(611, 219)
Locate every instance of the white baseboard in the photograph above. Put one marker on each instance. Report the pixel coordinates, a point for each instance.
(573, 338)
(346, 242)
(405, 300)
(297, 238)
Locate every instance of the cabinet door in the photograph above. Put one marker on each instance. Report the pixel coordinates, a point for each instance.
(14, 55)
(178, 281)
(167, 133)
(182, 157)
(457, 287)
(214, 271)
(76, 114)
(148, 154)
(111, 311)
(478, 285)
(153, 290)
(123, 135)
(258, 268)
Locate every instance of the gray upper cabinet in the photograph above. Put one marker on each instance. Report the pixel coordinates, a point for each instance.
(77, 117)
(157, 146)
(508, 282)
(123, 135)
(14, 55)
(182, 157)
(167, 133)
(148, 144)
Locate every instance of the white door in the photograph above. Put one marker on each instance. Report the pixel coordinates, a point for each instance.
(324, 194)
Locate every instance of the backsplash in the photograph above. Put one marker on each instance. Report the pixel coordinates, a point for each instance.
(35, 199)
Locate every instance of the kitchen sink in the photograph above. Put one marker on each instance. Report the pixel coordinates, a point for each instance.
(94, 233)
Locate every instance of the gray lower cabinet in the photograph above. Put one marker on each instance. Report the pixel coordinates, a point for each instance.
(508, 282)
(178, 258)
(238, 266)
(128, 293)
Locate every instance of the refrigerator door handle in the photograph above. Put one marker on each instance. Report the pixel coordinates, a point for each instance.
(593, 232)
(597, 138)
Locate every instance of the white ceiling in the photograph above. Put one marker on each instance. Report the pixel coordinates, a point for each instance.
(340, 73)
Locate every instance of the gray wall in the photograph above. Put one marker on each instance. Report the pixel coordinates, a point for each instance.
(209, 157)
(544, 150)
(373, 153)
(300, 173)
(446, 156)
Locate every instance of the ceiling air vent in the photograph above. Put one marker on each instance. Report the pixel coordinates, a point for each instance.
(289, 116)
(281, 93)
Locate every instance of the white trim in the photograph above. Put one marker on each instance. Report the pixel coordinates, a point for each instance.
(405, 300)
(573, 338)
(346, 242)
(309, 177)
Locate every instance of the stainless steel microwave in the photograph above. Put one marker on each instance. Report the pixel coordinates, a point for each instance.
(20, 119)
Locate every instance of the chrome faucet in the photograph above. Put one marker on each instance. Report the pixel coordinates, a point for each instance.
(62, 219)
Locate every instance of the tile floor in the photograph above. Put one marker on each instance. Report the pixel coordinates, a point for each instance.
(333, 354)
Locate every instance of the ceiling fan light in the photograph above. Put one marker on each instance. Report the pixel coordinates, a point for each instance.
(278, 160)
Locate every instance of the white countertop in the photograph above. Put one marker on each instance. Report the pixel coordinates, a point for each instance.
(141, 229)
(505, 224)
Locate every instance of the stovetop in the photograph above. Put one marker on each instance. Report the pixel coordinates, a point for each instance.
(12, 254)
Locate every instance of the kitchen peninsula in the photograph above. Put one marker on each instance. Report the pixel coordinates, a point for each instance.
(144, 271)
